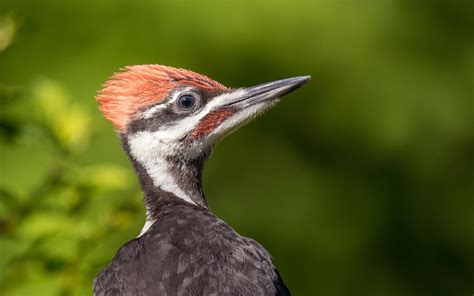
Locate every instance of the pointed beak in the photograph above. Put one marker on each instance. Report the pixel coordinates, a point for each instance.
(268, 92)
(231, 110)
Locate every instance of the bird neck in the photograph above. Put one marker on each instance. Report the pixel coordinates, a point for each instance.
(167, 177)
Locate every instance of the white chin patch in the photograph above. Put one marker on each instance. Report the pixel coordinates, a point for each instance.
(151, 151)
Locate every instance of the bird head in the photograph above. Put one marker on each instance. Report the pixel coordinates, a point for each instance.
(182, 111)
(168, 115)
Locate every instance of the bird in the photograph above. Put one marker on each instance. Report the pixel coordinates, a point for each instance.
(168, 121)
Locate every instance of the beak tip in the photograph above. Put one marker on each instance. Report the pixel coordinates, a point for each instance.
(305, 78)
(299, 81)
(274, 89)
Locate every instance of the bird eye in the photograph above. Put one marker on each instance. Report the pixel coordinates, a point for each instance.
(186, 102)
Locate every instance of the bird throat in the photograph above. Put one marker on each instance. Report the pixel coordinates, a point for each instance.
(165, 176)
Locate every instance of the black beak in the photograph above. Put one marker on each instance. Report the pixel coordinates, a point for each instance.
(269, 91)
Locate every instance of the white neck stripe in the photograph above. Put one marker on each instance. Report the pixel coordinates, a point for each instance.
(147, 148)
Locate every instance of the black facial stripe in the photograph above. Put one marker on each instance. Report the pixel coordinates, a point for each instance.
(160, 118)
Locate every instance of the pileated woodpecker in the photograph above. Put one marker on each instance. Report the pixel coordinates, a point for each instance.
(168, 120)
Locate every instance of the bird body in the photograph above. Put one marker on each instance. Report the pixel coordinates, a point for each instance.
(190, 252)
(168, 120)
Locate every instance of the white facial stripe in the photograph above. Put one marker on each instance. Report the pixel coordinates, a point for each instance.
(151, 151)
(227, 97)
(151, 112)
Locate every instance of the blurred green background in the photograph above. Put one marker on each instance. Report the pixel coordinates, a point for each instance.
(360, 183)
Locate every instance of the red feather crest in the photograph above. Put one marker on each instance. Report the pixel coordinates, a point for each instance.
(137, 87)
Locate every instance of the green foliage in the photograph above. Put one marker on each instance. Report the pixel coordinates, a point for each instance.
(359, 183)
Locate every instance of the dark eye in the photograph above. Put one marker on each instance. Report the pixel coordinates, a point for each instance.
(186, 102)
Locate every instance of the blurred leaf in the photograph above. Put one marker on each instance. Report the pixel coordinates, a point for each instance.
(11, 249)
(69, 122)
(44, 284)
(8, 28)
(22, 170)
(103, 176)
(46, 224)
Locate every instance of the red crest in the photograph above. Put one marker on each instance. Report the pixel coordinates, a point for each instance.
(137, 87)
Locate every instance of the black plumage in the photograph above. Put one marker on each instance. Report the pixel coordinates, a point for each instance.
(189, 251)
